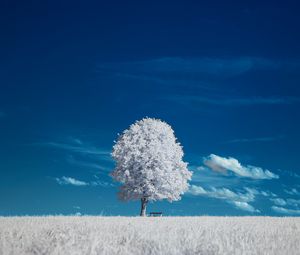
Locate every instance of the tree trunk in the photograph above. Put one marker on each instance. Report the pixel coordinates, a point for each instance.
(144, 202)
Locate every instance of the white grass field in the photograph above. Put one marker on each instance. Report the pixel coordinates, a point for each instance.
(160, 235)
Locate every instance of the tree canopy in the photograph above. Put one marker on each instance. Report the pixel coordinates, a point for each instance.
(149, 162)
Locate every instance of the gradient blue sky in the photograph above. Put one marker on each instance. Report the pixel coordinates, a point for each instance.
(225, 76)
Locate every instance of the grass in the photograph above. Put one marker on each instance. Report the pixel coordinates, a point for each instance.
(151, 235)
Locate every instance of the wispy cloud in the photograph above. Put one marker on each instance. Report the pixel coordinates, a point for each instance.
(76, 148)
(283, 210)
(244, 206)
(265, 193)
(229, 100)
(293, 202)
(83, 155)
(284, 202)
(237, 199)
(76, 141)
(257, 139)
(201, 73)
(204, 176)
(222, 193)
(70, 181)
(288, 173)
(167, 68)
(278, 201)
(102, 184)
(222, 164)
(292, 191)
(87, 164)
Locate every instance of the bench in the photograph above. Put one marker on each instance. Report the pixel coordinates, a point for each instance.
(155, 214)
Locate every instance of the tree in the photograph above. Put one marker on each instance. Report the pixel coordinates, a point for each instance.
(149, 163)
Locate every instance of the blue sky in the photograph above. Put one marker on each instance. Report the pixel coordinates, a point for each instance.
(224, 76)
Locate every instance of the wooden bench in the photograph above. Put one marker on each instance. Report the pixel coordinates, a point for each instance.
(155, 214)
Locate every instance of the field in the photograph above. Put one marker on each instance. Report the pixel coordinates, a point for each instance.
(160, 235)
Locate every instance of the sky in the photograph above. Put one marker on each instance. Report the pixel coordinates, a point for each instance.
(224, 75)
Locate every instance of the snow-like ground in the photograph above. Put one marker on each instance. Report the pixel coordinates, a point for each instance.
(160, 235)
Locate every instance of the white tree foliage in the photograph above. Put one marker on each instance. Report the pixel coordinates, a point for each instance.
(149, 162)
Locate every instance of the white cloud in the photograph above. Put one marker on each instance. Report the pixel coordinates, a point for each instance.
(257, 139)
(244, 206)
(204, 176)
(288, 173)
(279, 201)
(285, 210)
(102, 184)
(266, 194)
(70, 181)
(221, 164)
(197, 190)
(293, 202)
(239, 200)
(200, 168)
(292, 191)
(262, 192)
(76, 140)
(283, 202)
